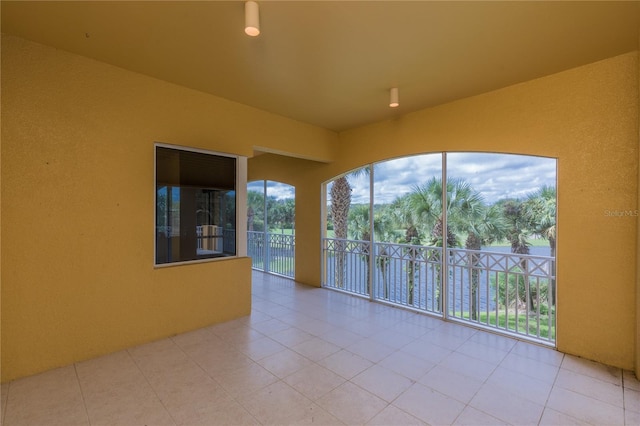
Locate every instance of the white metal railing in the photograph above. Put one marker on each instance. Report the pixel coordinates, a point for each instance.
(229, 241)
(212, 239)
(209, 239)
(346, 265)
(272, 252)
(508, 292)
(408, 275)
(513, 293)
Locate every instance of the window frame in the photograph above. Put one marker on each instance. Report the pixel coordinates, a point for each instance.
(240, 181)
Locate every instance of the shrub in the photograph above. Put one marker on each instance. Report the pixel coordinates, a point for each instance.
(506, 291)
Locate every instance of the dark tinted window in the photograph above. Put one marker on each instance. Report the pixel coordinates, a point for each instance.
(195, 205)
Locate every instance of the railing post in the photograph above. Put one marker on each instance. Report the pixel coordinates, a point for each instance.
(372, 249)
(267, 240)
(444, 282)
(267, 251)
(495, 269)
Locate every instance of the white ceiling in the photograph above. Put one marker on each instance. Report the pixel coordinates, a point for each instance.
(331, 63)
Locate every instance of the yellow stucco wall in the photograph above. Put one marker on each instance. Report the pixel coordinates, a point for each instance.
(587, 118)
(78, 278)
(299, 173)
(637, 348)
(77, 202)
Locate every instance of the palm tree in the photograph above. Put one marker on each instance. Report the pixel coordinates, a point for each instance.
(340, 203)
(518, 234)
(255, 209)
(424, 207)
(484, 227)
(403, 215)
(384, 231)
(359, 228)
(466, 214)
(540, 209)
(517, 222)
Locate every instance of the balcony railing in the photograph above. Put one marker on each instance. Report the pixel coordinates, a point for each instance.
(213, 239)
(272, 252)
(502, 291)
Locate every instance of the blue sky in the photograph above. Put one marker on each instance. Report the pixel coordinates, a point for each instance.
(495, 176)
(279, 190)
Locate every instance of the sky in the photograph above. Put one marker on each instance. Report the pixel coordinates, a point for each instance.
(281, 191)
(495, 176)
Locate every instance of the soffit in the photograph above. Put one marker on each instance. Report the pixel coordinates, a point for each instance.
(331, 63)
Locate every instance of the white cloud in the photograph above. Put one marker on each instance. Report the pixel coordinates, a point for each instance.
(281, 191)
(495, 176)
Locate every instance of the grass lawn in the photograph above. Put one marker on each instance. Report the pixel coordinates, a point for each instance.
(545, 327)
(534, 242)
(285, 231)
(284, 266)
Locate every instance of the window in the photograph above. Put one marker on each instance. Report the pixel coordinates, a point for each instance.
(486, 255)
(195, 205)
(271, 220)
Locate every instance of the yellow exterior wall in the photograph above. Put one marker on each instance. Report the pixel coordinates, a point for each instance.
(77, 197)
(296, 172)
(587, 118)
(78, 278)
(637, 336)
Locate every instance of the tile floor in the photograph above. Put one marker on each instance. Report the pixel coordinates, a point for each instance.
(308, 355)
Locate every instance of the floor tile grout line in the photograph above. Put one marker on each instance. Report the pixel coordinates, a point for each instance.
(84, 401)
(207, 374)
(153, 389)
(533, 359)
(624, 400)
(346, 380)
(6, 404)
(412, 381)
(594, 398)
(528, 358)
(484, 382)
(553, 385)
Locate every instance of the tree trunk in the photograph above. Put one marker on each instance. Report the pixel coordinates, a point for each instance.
(366, 253)
(519, 247)
(437, 239)
(250, 217)
(381, 263)
(340, 202)
(552, 285)
(437, 234)
(411, 237)
(473, 242)
(411, 275)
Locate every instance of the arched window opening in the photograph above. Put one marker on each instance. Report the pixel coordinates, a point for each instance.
(271, 227)
(466, 236)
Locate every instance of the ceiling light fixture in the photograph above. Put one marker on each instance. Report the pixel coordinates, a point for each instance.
(393, 98)
(251, 18)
